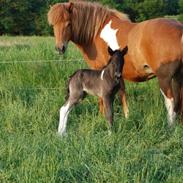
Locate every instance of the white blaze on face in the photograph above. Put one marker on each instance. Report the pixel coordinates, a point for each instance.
(108, 34)
(169, 103)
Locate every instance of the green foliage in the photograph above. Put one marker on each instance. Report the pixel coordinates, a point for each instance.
(28, 17)
(181, 10)
(141, 148)
(181, 6)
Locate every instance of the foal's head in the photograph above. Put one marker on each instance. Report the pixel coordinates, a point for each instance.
(116, 61)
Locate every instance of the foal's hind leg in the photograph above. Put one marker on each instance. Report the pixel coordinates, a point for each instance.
(74, 98)
(64, 111)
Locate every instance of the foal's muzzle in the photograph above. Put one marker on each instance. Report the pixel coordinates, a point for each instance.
(61, 50)
(117, 75)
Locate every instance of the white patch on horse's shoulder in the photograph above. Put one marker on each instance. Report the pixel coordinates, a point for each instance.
(102, 74)
(109, 36)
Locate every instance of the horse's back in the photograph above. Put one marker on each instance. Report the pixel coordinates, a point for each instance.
(154, 42)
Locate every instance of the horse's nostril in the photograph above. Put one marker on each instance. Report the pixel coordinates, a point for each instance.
(63, 49)
(60, 50)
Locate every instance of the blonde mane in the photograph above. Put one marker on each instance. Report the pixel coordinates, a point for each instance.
(86, 18)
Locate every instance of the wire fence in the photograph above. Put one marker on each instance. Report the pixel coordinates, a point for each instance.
(41, 61)
(68, 61)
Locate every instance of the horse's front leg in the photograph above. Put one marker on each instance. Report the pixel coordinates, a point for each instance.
(108, 109)
(123, 98)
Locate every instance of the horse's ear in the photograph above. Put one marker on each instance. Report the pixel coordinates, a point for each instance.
(110, 51)
(124, 50)
(70, 6)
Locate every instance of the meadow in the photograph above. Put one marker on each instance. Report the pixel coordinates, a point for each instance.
(141, 149)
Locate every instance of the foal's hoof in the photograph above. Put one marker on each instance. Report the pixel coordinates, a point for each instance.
(61, 134)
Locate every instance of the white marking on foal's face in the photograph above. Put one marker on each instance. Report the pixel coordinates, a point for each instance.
(102, 74)
(108, 34)
(169, 103)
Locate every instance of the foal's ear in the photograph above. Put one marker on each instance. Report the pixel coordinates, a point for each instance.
(110, 51)
(124, 50)
(69, 6)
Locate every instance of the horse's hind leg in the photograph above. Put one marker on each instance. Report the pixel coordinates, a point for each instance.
(176, 88)
(166, 90)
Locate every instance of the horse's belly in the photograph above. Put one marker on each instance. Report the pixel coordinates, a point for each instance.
(136, 71)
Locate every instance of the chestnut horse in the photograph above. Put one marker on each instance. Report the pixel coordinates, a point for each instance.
(155, 47)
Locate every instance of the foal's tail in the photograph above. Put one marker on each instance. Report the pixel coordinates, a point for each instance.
(67, 91)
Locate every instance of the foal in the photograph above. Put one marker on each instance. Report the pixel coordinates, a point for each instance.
(102, 83)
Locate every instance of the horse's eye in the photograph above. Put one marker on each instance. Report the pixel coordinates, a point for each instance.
(69, 24)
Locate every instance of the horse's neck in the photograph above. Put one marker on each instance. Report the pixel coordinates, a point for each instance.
(95, 53)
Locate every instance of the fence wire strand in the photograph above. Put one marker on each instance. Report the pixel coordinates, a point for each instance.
(36, 62)
(41, 61)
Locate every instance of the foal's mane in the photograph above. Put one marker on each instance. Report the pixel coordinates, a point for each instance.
(86, 18)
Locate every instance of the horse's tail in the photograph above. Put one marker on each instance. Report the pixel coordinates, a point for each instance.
(180, 80)
(178, 91)
(181, 101)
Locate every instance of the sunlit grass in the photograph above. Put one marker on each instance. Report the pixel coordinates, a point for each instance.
(141, 148)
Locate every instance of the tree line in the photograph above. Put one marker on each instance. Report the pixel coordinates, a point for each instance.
(29, 17)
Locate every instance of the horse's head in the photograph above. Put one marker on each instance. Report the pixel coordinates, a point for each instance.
(59, 18)
(117, 61)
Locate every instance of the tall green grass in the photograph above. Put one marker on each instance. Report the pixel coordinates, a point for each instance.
(141, 148)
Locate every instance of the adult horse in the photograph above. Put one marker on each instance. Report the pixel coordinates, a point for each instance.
(155, 47)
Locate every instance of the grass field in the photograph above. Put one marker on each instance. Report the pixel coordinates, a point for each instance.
(140, 149)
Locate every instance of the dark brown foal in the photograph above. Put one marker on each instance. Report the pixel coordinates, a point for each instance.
(102, 83)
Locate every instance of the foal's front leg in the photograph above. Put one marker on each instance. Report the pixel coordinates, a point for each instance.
(108, 109)
(101, 105)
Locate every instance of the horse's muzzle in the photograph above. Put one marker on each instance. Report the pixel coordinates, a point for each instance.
(61, 50)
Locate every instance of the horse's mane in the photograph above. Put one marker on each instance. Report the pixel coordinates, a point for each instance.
(86, 18)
